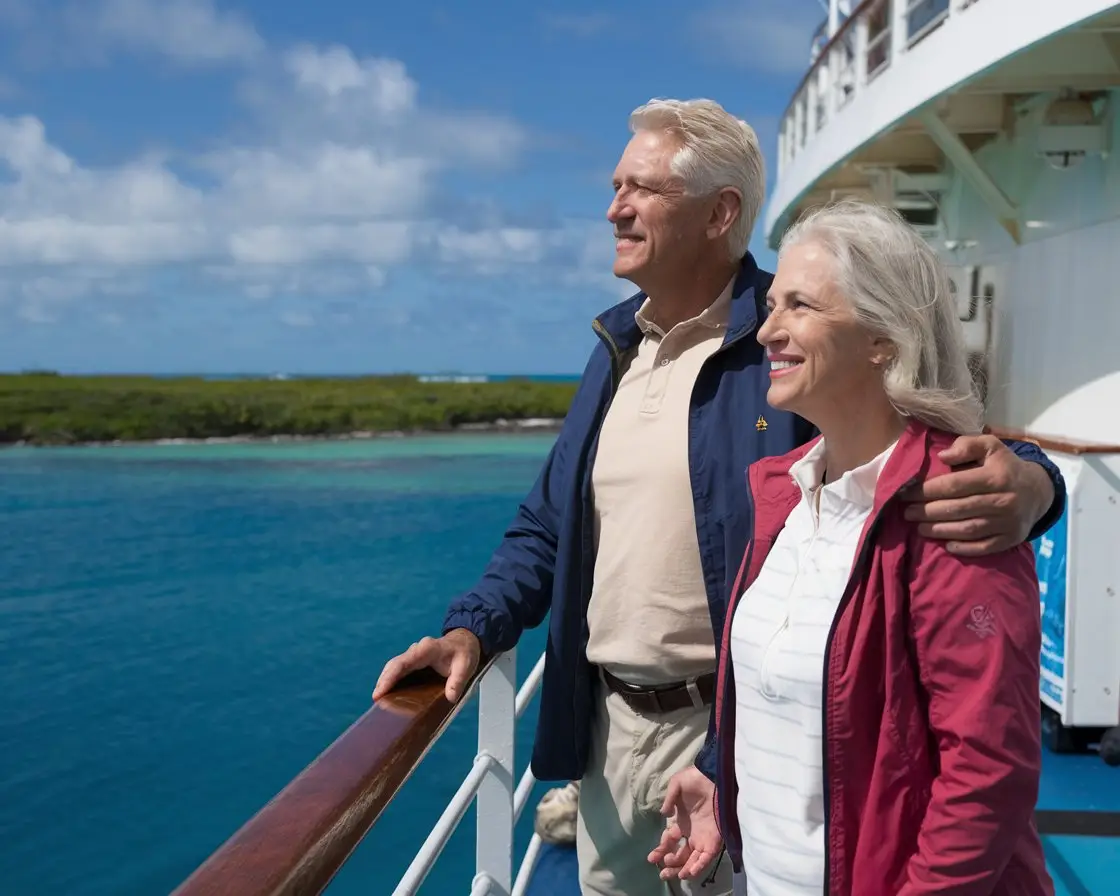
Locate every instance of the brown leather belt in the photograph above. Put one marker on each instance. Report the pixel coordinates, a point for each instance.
(695, 693)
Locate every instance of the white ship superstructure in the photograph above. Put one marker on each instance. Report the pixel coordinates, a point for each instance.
(990, 124)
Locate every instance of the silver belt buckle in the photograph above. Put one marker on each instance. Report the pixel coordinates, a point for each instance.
(694, 693)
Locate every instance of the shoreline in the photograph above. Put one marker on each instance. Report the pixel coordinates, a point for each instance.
(523, 426)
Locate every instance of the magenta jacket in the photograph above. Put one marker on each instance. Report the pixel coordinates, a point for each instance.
(932, 744)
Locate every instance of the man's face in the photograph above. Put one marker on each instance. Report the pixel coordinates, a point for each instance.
(658, 228)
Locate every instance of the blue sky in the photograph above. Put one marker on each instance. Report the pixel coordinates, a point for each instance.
(340, 186)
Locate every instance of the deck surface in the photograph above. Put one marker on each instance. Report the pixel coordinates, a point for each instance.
(556, 873)
(1080, 866)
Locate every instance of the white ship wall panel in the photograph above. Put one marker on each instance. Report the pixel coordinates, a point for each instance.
(1057, 302)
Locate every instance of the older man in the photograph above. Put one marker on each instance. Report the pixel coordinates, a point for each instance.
(632, 534)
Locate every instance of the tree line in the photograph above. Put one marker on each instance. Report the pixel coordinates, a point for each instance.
(48, 409)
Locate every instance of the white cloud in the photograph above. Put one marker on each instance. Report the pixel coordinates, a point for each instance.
(329, 183)
(383, 83)
(373, 101)
(266, 280)
(188, 32)
(366, 242)
(326, 180)
(39, 293)
(285, 204)
(494, 246)
(770, 36)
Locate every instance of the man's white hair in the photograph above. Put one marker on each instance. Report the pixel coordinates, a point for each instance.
(717, 151)
(900, 291)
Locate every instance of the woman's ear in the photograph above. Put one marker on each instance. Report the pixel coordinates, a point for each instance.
(882, 352)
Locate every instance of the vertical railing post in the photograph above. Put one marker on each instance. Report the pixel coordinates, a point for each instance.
(836, 75)
(859, 53)
(801, 132)
(497, 696)
(900, 29)
(812, 91)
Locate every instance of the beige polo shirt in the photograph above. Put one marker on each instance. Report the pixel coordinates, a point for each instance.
(648, 617)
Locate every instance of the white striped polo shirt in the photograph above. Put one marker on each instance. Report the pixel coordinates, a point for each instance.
(778, 638)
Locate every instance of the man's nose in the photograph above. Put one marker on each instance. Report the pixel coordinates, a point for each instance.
(618, 211)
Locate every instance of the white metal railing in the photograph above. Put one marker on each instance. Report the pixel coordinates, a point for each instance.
(490, 780)
(877, 33)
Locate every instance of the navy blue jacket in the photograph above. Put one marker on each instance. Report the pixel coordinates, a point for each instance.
(546, 559)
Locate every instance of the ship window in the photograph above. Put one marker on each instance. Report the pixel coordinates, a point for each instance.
(920, 217)
(922, 16)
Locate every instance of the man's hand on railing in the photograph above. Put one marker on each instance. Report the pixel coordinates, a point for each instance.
(455, 656)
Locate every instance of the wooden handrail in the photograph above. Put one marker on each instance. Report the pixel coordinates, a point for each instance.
(296, 844)
(822, 56)
(1053, 443)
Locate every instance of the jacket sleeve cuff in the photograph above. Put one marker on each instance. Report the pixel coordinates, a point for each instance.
(479, 623)
(1030, 452)
(706, 759)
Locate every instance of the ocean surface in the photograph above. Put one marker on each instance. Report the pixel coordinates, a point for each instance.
(183, 628)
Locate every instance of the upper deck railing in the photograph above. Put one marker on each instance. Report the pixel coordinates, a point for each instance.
(1060, 444)
(297, 843)
(860, 50)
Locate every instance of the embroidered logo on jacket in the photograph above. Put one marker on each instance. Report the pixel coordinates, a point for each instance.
(760, 424)
(981, 622)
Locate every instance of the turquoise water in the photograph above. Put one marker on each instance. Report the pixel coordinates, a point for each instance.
(183, 628)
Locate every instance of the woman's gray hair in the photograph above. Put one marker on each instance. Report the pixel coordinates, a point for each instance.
(900, 291)
(717, 151)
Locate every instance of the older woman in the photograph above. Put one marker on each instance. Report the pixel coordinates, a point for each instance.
(877, 705)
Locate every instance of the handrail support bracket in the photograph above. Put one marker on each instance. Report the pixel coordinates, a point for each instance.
(1005, 211)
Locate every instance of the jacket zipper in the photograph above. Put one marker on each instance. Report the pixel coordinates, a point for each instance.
(849, 590)
(732, 603)
(612, 347)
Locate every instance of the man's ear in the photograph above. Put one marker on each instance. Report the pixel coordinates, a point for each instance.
(725, 212)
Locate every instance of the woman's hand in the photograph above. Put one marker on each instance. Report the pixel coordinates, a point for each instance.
(691, 841)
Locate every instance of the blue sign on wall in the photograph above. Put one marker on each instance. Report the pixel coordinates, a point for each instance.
(1050, 552)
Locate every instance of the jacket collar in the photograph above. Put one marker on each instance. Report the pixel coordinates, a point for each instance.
(775, 492)
(747, 295)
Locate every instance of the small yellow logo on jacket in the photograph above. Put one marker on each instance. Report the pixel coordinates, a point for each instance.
(760, 424)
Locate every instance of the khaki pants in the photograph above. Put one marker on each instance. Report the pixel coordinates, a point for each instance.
(632, 759)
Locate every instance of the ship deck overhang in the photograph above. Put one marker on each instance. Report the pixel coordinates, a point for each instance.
(846, 158)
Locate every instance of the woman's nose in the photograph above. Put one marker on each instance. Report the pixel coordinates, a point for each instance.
(768, 330)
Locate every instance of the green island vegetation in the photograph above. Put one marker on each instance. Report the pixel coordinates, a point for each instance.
(44, 408)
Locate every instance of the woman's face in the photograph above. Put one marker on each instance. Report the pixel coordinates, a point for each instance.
(822, 362)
